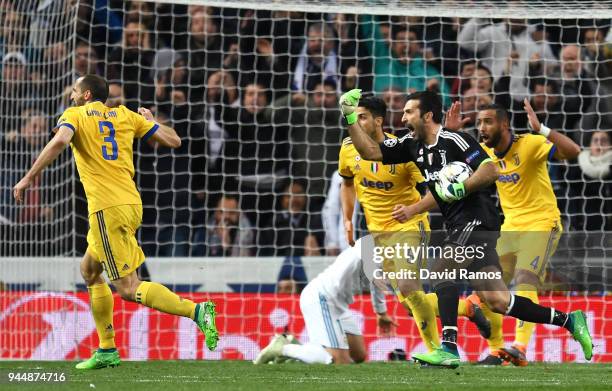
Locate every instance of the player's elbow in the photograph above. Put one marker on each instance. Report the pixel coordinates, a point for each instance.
(573, 152)
(492, 172)
(175, 142)
(372, 154)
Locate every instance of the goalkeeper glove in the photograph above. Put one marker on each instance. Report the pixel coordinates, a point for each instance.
(453, 192)
(348, 103)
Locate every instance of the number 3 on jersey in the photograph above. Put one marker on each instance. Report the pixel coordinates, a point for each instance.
(109, 139)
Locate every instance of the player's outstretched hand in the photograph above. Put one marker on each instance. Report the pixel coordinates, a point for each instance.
(386, 323)
(453, 120)
(534, 122)
(348, 103)
(20, 188)
(402, 213)
(146, 113)
(349, 232)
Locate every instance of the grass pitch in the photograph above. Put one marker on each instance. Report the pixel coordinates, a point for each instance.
(241, 375)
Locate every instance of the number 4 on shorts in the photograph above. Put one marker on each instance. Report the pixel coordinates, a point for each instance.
(534, 263)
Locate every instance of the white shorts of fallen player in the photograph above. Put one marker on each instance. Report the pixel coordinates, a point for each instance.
(326, 321)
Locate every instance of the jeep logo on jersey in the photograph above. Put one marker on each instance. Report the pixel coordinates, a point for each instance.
(390, 142)
(431, 176)
(377, 184)
(509, 178)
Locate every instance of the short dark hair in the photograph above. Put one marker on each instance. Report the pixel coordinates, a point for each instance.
(97, 85)
(428, 101)
(375, 105)
(542, 81)
(500, 112)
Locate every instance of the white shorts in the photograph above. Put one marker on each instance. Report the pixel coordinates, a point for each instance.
(327, 323)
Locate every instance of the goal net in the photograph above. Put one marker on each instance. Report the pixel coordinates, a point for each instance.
(247, 210)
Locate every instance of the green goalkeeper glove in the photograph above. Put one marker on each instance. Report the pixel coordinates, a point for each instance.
(348, 103)
(453, 192)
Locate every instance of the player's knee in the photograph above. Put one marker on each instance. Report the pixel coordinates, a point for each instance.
(358, 356)
(496, 301)
(89, 276)
(525, 277)
(127, 292)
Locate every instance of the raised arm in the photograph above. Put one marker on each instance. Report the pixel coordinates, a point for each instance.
(164, 135)
(51, 151)
(566, 148)
(365, 145)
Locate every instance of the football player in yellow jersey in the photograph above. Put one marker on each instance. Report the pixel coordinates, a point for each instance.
(379, 188)
(532, 221)
(101, 138)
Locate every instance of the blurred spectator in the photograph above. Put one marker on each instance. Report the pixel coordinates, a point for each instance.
(116, 97)
(462, 82)
(291, 277)
(400, 65)
(15, 90)
(508, 48)
(227, 232)
(546, 102)
(52, 75)
(98, 24)
(315, 134)
(355, 63)
(130, 65)
(577, 88)
(395, 99)
(294, 232)
(598, 53)
(472, 101)
(256, 153)
(591, 208)
(204, 52)
(141, 12)
(20, 150)
(86, 60)
(318, 59)
(14, 34)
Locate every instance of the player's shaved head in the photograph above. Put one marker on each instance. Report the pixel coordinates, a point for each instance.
(97, 85)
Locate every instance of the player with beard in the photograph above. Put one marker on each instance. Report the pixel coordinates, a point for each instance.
(469, 212)
(532, 221)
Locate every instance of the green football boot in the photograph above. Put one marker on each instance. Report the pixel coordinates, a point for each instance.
(580, 332)
(100, 360)
(438, 358)
(205, 319)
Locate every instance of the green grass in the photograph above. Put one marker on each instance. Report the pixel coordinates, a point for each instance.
(237, 375)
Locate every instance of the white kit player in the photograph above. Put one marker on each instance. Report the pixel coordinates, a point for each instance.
(334, 336)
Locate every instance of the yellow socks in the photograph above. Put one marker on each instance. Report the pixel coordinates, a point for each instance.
(432, 299)
(525, 329)
(424, 316)
(157, 296)
(496, 341)
(101, 299)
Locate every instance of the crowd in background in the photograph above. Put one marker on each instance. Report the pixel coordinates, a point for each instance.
(253, 95)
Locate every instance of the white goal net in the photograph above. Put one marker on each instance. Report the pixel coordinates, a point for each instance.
(248, 206)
